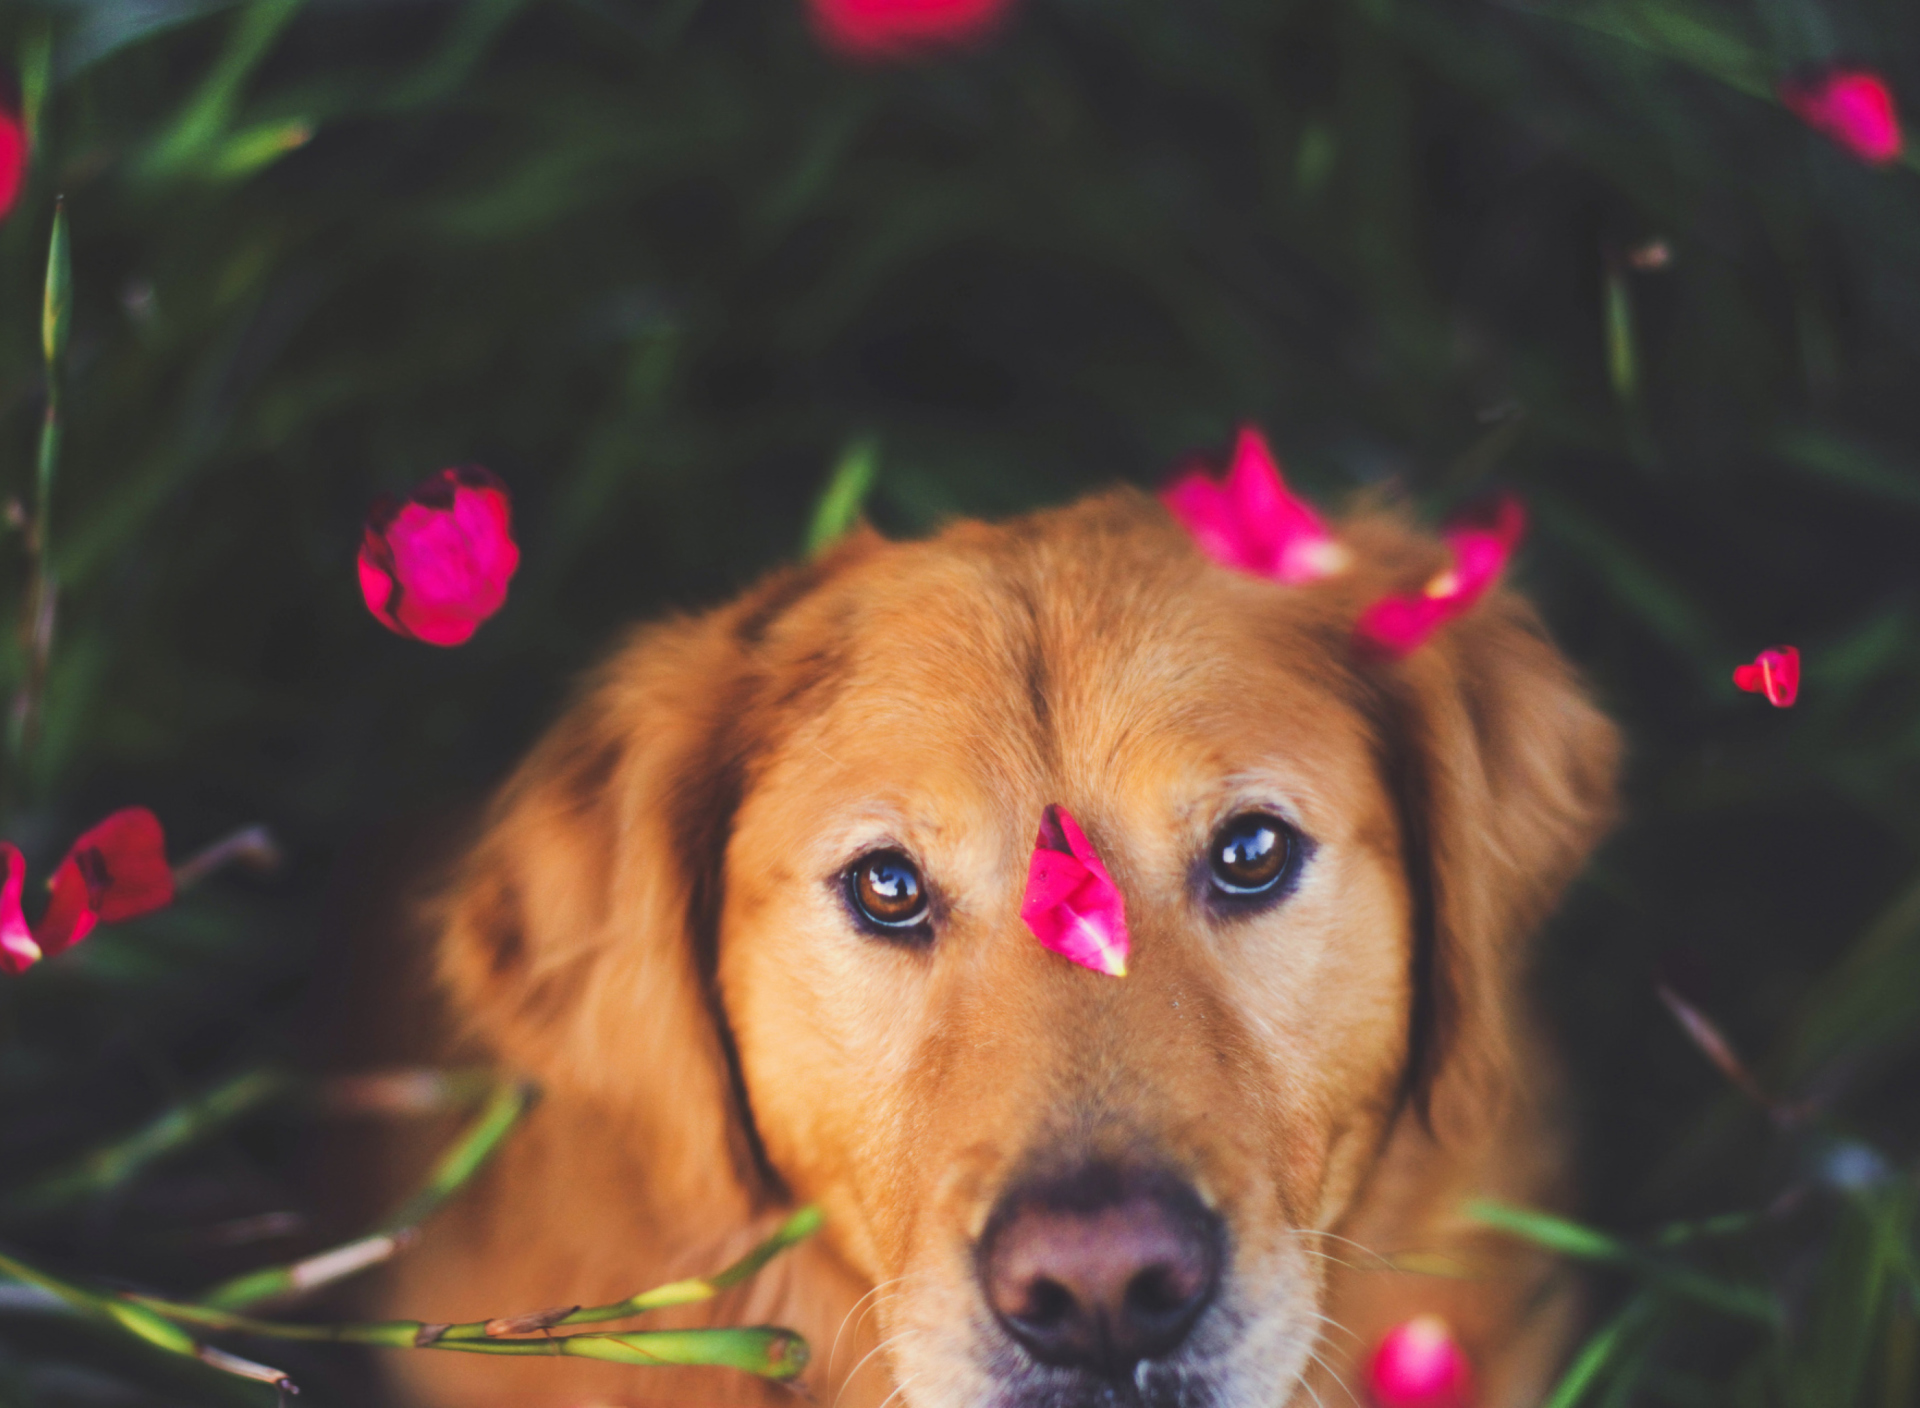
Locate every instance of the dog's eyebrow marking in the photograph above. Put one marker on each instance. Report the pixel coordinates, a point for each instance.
(1035, 671)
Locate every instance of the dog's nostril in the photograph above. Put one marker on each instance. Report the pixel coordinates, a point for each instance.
(1049, 1305)
(1157, 1290)
(1100, 1270)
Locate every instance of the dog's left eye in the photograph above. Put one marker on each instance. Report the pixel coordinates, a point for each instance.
(1251, 855)
(885, 889)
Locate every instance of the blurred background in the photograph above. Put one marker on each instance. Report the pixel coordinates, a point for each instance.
(660, 263)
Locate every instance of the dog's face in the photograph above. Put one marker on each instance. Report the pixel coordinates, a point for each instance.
(1065, 1186)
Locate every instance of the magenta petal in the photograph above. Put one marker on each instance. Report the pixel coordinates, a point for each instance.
(1774, 673)
(1071, 903)
(1251, 521)
(1420, 1365)
(1481, 542)
(1854, 107)
(1399, 625)
(18, 951)
(1200, 507)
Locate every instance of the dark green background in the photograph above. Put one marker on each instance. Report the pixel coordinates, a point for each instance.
(658, 262)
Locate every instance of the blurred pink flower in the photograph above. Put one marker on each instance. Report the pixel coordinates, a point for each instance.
(1250, 520)
(1774, 673)
(890, 29)
(436, 566)
(1853, 106)
(1481, 543)
(1071, 904)
(117, 870)
(13, 158)
(1418, 1365)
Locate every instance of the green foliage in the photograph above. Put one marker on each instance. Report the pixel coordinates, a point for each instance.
(659, 262)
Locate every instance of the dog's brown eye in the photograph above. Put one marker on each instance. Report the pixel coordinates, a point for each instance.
(1251, 854)
(886, 890)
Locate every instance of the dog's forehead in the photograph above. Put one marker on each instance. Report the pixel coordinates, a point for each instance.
(1062, 644)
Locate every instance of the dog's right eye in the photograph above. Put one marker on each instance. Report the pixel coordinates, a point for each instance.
(885, 889)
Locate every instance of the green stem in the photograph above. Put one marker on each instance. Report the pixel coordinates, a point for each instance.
(36, 626)
(118, 1163)
(1599, 1352)
(455, 1168)
(1557, 1234)
(802, 1224)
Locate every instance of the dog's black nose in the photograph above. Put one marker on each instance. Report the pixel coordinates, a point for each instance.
(1100, 1269)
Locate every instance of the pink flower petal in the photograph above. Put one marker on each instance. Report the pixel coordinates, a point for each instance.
(1853, 106)
(1251, 521)
(115, 871)
(1071, 903)
(1481, 542)
(436, 566)
(13, 159)
(1419, 1365)
(892, 29)
(1774, 673)
(18, 951)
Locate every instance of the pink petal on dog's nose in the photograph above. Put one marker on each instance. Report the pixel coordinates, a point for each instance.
(1251, 521)
(1071, 904)
(1774, 673)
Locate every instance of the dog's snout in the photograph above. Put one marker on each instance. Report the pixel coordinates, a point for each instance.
(1100, 1269)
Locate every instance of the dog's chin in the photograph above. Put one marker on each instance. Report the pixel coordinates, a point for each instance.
(1232, 1361)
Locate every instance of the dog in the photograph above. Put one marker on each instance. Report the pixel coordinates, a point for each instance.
(750, 916)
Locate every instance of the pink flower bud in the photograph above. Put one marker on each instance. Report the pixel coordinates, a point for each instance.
(436, 566)
(1481, 543)
(1071, 904)
(13, 158)
(1774, 673)
(1418, 1365)
(1252, 521)
(1853, 106)
(892, 29)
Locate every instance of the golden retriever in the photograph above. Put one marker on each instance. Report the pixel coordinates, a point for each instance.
(750, 915)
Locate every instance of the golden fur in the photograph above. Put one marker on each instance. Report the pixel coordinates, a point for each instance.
(650, 927)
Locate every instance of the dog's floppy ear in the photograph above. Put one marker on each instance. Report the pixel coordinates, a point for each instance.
(577, 936)
(1506, 775)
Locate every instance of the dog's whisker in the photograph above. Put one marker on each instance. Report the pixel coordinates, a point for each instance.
(1385, 1261)
(1328, 1369)
(885, 1344)
(848, 1319)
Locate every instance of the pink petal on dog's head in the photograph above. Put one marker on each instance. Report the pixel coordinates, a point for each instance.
(18, 951)
(1481, 542)
(1774, 673)
(1071, 903)
(1251, 521)
(1200, 506)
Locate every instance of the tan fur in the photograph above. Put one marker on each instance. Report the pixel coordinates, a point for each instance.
(650, 926)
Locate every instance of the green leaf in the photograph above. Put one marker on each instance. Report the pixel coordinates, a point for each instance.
(838, 509)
